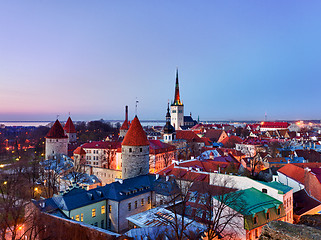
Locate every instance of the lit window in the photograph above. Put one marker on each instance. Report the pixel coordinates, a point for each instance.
(142, 201)
(93, 212)
(103, 210)
(135, 204)
(82, 217)
(109, 208)
(77, 218)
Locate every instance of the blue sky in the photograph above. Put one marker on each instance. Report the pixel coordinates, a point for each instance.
(236, 59)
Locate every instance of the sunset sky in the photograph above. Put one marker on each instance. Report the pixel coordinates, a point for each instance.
(236, 59)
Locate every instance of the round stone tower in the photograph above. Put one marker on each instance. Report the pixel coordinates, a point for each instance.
(56, 141)
(135, 151)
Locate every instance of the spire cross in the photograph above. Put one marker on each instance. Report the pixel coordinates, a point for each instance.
(57, 116)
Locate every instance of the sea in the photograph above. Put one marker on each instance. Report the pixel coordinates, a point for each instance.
(49, 123)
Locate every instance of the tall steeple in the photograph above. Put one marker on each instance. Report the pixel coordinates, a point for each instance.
(177, 99)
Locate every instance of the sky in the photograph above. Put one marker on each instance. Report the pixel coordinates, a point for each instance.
(237, 60)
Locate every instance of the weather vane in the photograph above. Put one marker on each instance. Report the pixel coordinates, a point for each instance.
(136, 106)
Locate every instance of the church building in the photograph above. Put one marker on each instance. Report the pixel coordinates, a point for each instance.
(178, 120)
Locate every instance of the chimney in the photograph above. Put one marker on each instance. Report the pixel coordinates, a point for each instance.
(126, 113)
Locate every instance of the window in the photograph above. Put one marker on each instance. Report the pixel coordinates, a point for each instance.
(82, 217)
(109, 208)
(102, 224)
(72, 217)
(264, 190)
(193, 196)
(255, 220)
(93, 212)
(96, 224)
(140, 149)
(109, 224)
(148, 200)
(142, 201)
(130, 149)
(256, 233)
(129, 206)
(267, 215)
(135, 204)
(103, 210)
(279, 211)
(77, 218)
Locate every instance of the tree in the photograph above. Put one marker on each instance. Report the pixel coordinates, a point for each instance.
(15, 194)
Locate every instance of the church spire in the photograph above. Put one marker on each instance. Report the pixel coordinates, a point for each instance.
(177, 100)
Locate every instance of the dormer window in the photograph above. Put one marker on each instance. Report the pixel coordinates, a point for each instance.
(264, 190)
(255, 220)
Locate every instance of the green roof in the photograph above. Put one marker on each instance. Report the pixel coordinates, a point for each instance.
(251, 201)
(277, 185)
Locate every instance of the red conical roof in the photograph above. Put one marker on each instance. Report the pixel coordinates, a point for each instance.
(56, 131)
(69, 126)
(79, 150)
(125, 125)
(136, 135)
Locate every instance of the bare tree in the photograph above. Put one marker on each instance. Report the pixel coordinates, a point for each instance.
(15, 193)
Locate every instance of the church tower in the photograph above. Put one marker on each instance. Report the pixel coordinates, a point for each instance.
(70, 131)
(135, 151)
(56, 141)
(169, 130)
(177, 108)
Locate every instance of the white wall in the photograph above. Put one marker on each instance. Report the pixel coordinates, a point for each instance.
(290, 182)
(240, 182)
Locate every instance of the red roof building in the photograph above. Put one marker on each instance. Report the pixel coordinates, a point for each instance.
(136, 135)
(80, 151)
(266, 126)
(56, 131)
(69, 126)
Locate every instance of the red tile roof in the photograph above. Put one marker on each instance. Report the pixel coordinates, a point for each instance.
(157, 146)
(136, 135)
(294, 172)
(275, 125)
(185, 174)
(56, 131)
(230, 141)
(188, 135)
(102, 145)
(125, 125)
(79, 150)
(69, 126)
(213, 134)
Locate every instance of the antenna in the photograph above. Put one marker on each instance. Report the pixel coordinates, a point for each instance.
(136, 106)
(69, 114)
(57, 116)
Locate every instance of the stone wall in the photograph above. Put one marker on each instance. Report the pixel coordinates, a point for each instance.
(277, 230)
(135, 161)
